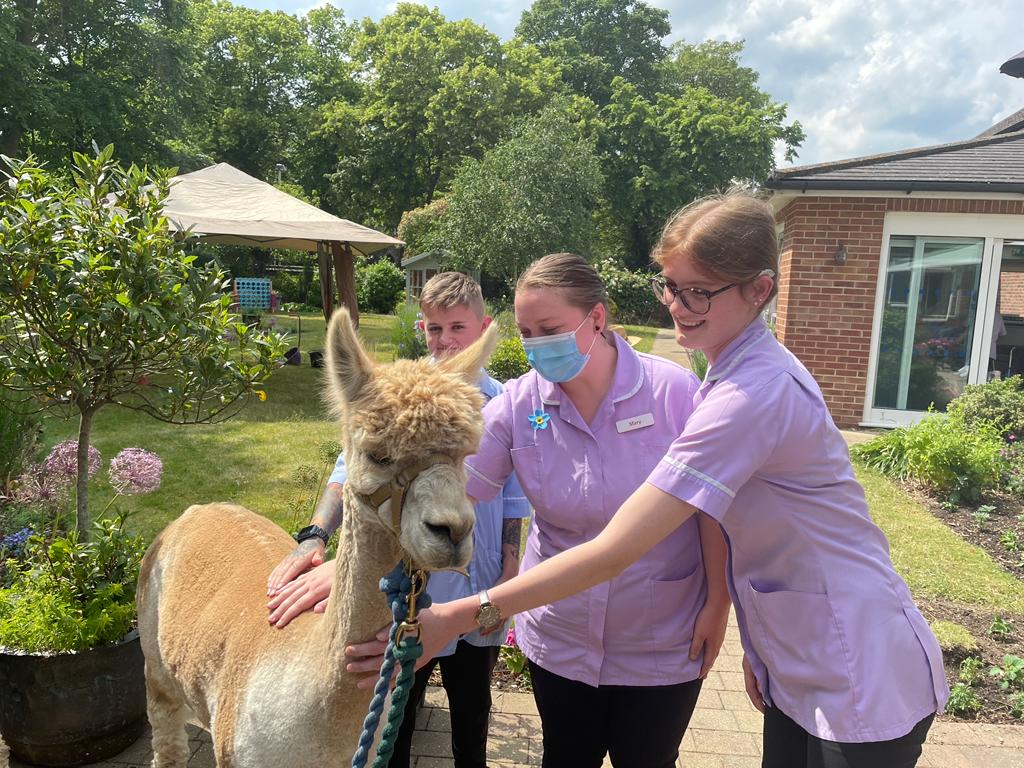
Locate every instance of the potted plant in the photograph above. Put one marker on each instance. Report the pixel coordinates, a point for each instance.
(71, 668)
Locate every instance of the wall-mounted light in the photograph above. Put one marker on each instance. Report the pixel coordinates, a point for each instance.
(839, 257)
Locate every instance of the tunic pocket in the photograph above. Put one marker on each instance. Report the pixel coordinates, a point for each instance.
(798, 640)
(674, 608)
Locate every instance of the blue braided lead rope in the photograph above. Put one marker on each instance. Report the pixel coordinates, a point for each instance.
(396, 585)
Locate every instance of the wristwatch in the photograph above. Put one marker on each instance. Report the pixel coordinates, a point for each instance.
(488, 615)
(311, 531)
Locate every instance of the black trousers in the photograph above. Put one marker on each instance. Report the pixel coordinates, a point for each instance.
(638, 726)
(787, 745)
(466, 676)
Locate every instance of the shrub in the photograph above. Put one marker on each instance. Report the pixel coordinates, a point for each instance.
(407, 333)
(999, 403)
(508, 360)
(417, 225)
(631, 294)
(940, 452)
(70, 595)
(19, 437)
(378, 285)
(962, 700)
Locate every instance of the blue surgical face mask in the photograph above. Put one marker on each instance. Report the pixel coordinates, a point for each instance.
(557, 358)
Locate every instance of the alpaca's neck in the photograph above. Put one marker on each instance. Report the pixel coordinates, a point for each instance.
(357, 608)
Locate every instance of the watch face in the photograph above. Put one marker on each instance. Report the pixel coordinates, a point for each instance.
(488, 616)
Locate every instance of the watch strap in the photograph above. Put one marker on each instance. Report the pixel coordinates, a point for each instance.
(312, 531)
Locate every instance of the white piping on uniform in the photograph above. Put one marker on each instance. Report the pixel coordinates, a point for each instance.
(699, 475)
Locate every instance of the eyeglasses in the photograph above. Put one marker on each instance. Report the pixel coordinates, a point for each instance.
(697, 300)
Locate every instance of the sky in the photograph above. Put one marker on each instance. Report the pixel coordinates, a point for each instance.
(862, 76)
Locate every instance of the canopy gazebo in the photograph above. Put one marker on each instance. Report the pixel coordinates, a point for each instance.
(222, 204)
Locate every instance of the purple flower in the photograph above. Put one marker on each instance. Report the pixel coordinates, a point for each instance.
(39, 486)
(135, 470)
(62, 462)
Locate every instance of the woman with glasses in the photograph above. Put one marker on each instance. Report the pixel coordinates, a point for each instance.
(836, 654)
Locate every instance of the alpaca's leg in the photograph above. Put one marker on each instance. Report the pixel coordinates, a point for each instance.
(167, 716)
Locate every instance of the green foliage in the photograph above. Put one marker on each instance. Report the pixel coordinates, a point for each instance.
(378, 285)
(508, 360)
(70, 595)
(940, 452)
(1010, 676)
(407, 335)
(971, 670)
(631, 293)
(103, 304)
(595, 41)
(981, 516)
(417, 226)
(1017, 705)
(962, 700)
(308, 484)
(531, 195)
(1001, 629)
(432, 93)
(1010, 541)
(698, 363)
(19, 439)
(999, 403)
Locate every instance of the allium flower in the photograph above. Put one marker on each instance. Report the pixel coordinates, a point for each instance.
(135, 470)
(40, 486)
(63, 460)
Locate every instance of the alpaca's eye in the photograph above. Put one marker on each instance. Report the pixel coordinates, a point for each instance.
(379, 459)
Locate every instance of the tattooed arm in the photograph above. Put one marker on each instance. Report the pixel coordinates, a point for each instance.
(511, 532)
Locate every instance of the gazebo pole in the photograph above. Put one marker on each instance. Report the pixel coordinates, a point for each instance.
(345, 275)
(326, 288)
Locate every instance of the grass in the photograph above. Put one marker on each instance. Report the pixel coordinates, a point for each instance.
(933, 560)
(953, 636)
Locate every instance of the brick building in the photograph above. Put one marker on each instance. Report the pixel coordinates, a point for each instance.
(903, 274)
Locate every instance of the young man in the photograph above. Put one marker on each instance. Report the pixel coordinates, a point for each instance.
(454, 317)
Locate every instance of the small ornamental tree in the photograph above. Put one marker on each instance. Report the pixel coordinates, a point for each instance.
(100, 304)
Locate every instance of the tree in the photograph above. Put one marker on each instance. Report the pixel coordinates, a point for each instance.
(595, 41)
(533, 194)
(250, 70)
(102, 305)
(715, 66)
(659, 154)
(434, 92)
(105, 70)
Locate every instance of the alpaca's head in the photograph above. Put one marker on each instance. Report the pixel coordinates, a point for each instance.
(397, 418)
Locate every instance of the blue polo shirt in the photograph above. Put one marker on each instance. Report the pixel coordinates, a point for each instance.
(485, 567)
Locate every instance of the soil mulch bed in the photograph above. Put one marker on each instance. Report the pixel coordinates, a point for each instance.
(1001, 513)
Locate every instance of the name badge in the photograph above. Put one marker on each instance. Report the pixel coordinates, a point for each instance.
(635, 422)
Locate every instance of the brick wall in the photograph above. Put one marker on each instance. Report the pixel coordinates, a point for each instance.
(825, 310)
(1011, 293)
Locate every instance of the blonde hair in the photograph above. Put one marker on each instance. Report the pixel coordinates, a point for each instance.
(730, 237)
(446, 290)
(570, 274)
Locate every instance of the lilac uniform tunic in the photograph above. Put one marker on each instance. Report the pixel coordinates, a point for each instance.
(635, 629)
(829, 627)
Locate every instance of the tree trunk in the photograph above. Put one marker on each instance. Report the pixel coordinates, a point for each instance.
(326, 289)
(82, 486)
(345, 274)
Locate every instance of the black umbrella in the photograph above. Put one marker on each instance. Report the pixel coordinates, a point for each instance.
(1014, 67)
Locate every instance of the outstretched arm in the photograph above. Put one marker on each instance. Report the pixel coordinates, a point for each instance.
(709, 628)
(644, 519)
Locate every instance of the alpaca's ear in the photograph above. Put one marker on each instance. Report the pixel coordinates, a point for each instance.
(349, 367)
(469, 361)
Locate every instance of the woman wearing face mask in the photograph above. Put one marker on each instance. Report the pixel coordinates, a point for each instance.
(617, 668)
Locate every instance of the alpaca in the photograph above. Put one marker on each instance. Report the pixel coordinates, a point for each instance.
(281, 697)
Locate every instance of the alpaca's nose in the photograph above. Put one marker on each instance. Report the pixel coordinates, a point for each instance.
(454, 532)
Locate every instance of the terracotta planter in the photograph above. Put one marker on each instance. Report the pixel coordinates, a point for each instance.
(73, 708)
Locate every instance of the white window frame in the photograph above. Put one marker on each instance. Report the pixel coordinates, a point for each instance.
(993, 229)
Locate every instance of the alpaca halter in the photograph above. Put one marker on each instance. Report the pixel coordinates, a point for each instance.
(395, 490)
